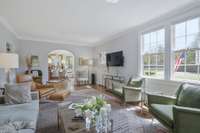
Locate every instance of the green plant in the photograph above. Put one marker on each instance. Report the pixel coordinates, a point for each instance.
(94, 104)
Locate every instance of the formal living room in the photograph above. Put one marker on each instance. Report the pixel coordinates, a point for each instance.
(99, 66)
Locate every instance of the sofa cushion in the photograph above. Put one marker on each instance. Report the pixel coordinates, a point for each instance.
(18, 93)
(163, 113)
(17, 112)
(6, 128)
(26, 131)
(189, 96)
(34, 105)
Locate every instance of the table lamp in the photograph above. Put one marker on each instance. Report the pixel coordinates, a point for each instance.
(9, 61)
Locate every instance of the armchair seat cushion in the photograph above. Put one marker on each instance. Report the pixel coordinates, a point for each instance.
(164, 113)
(119, 90)
(132, 88)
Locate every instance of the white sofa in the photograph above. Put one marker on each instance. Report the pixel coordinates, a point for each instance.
(21, 112)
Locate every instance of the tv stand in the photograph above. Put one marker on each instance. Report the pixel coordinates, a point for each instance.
(114, 84)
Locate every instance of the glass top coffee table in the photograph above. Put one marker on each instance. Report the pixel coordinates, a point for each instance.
(67, 125)
(66, 122)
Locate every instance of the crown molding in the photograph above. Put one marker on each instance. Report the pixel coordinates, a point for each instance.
(6, 25)
(54, 41)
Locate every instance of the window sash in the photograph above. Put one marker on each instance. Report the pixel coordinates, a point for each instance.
(186, 65)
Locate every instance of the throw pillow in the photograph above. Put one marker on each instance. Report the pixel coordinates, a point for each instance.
(6, 128)
(18, 93)
(21, 124)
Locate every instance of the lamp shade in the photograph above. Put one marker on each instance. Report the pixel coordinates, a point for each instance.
(9, 60)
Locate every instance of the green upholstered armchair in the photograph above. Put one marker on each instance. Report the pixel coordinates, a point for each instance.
(132, 91)
(181, 114)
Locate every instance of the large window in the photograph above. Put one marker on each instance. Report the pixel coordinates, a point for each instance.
(153, 53)
(186, 49)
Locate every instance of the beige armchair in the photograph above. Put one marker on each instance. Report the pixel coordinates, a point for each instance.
(132, 91)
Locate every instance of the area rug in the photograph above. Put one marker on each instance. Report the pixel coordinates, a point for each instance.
(126, 119)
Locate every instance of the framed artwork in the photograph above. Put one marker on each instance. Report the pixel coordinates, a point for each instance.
(83, 61)
(34, 61)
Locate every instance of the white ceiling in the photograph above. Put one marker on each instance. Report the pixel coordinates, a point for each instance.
(81, 22)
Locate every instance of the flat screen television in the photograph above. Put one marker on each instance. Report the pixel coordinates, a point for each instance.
(115, 59)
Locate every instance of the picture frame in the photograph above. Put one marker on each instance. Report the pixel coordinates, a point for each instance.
(34, 61)
(83, 61)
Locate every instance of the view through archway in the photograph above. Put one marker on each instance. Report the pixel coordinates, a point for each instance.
(60, 64)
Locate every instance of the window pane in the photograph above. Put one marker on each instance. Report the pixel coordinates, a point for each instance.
(153, 48)
(186, 61)
(193, 26)
(179, 61)
(153, 60)
(161, 35)
(146, 71)
(190, 74)
(160, 48)
(153, 37)
(146, 59)
(157, 72)
(180, 29)
(146, 39)
(191, 57)
(160, 59)
(193, 41)
(180, 43)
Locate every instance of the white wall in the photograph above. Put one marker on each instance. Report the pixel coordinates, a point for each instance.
(129, 42)
(41, 49)
(6, 36)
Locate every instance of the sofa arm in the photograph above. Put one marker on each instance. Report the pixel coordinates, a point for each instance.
(131, 88)
(35, 95)
(160, 99)
(2, 101)
(186, 120)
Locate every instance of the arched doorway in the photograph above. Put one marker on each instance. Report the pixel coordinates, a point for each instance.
(60, 64)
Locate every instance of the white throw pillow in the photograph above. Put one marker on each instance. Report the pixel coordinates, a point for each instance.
(18, 93)
(6, 128)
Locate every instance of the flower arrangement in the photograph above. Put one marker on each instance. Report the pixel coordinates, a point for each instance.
(95, 111)
(94, 104)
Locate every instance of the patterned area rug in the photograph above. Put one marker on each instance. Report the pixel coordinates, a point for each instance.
(126, 119)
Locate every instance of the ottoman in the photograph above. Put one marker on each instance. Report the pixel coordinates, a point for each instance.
(59, 95)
